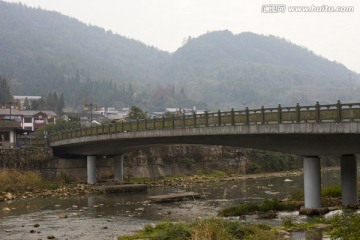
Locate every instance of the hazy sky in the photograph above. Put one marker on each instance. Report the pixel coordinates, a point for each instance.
(166, 23)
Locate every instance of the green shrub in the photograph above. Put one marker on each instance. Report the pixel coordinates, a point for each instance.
(297, 195)
(187, 162)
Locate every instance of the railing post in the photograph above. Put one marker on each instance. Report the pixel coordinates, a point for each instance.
(122, 126)
(173, 121)
(279, 114)
(163, 122)
(116, 127)
(262, 115)
(247, 118)
(194, 116)
(206, 119)
(317, 112)
(219, 117)
(145, 126)
(298, 113)
(232, 117)
(137, 124)
(154, 123)
(338, 111)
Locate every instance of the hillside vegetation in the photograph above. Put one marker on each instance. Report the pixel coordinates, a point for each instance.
(44, 51)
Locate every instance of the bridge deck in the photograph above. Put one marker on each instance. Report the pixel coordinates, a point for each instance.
(304, 130)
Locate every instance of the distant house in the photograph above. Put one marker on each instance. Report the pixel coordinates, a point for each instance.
(21, 100)
(27, 119)
(9, 129)
(33, 120)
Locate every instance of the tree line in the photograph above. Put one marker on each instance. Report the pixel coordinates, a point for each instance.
(51, 102)
(5, 92)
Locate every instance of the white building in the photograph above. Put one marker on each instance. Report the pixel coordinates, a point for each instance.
(21, 100)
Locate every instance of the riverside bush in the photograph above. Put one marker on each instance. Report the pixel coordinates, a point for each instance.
(13, 180)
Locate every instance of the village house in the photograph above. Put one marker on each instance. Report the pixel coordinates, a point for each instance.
(9, 129)
(27, 119)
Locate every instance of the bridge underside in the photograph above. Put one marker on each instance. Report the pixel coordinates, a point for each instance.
(309, 140)
(300, 144)
(302, 139)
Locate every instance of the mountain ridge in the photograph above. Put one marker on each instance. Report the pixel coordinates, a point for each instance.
(45, 51)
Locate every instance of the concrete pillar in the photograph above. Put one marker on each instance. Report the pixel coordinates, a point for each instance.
(118, 168)
(312, 182)
(91, 169)
(349, 179)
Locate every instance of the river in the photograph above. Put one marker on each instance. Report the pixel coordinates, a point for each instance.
(109, 216)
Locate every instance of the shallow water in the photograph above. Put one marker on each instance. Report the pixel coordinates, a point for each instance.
(109, 216)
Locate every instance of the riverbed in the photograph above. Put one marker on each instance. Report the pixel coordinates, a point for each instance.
(108, 216)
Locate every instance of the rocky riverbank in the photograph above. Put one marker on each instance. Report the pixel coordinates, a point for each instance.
(87, 189)
(62, 192)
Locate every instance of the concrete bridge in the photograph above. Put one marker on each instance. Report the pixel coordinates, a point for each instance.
(309, 131)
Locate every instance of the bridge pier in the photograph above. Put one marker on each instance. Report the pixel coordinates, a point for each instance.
(349, 180)
(118, 168)
(312, 182)
(91, 169)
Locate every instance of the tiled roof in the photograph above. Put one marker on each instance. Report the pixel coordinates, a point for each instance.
(14, 112)
(9, 124)
(6, 111)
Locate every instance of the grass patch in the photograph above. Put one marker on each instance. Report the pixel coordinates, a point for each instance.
(345, 226)
(331, 191)
(208, 229)
(140, 180)
(328, 192)
(180, 178)
(254, 208)
(216, 174)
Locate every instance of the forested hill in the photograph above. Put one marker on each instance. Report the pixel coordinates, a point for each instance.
(65, 45)
(45, 51)
(252, 69)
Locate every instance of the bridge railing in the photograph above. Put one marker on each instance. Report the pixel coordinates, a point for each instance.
(317, 113)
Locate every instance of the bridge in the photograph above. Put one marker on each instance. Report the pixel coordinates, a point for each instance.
(309, 131)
